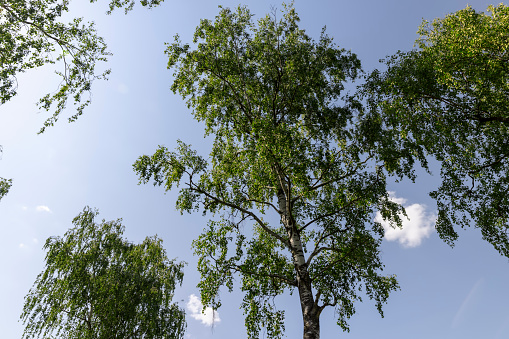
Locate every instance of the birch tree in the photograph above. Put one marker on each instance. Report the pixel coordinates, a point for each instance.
(98, 285)
(290, 182)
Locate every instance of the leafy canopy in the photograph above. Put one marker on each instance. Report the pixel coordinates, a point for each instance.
(98, 285)
(450, 98)
(291, 180)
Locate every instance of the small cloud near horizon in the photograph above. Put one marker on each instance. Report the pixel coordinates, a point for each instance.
(42, 208)
(416, 227)
(209, 317)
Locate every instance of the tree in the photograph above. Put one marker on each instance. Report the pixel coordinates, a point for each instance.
(31, 35)
(290, 182)
(98, 285)
(450, 98)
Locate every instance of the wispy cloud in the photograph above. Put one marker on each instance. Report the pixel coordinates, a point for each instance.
(465, 304)
(209, 317)
(42, 208)
(418, 226)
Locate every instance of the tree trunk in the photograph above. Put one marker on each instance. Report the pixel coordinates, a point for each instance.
(310, 310)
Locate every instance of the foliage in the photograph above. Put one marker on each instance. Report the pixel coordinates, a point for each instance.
(98, 285)
(290, 178)
(5, 184)
(450, 97)
(32, 36)
(129, 4)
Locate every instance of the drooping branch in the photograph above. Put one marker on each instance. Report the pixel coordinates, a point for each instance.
(264, 203)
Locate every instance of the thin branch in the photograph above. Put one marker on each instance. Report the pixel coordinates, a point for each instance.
(476, 117)
(334, 303)
(242, 74)
(328, 182)
(196, 188)
(239, 101)
(317, 297)
(489, 164)
(265, 203)
(339, 259)
(317, 250)
(490, 119)
(258, 274)
(330, 214)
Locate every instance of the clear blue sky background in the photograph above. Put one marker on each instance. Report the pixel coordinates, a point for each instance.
(446, 293)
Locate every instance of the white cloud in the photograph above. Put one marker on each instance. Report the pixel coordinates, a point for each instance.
(209, 317)
(42, 208)
(418, 226)
(35, 240)
(22, 245)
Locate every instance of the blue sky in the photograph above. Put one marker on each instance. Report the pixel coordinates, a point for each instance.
(446, 293)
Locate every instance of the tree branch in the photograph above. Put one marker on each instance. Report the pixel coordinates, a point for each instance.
(498, 160)
(330, 214)
(196, 188)
(350, 173)
(238, 268)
